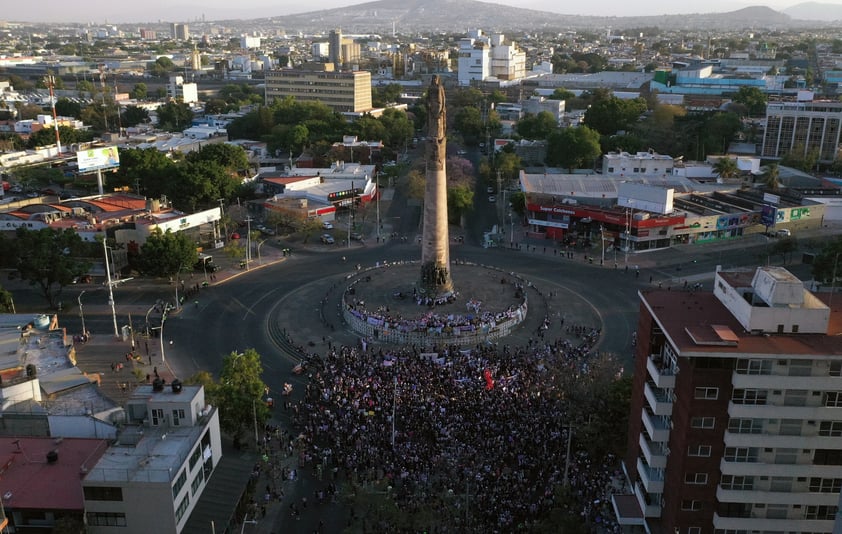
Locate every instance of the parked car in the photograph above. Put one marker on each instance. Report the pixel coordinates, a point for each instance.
(327, 225)
(489, 190)
(266, 231)
(327, 239)
(783, 232)
(235, 235)
(356, 236)
(492, 199)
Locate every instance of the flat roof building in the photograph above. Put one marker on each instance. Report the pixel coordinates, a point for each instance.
(343, 91)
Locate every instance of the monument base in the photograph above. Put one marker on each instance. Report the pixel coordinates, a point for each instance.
(435, 280)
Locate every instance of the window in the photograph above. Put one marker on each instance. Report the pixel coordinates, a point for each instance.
(835, 368)
(157, 416)
(694, 530)
(825, 485)
(706, 393)
(749, 396)
(691, 506)
(790, 427)
(197, 481)
(696, 478)
(182, 507)
(754, 367)
(699, 450)
(194, 458)
(106, 519)
(833, 399)
(830, 428)
(740, 454)
(734, 482)
(103, 493)
(177, 416)
(179, 483)
(703, 422)
(825, 513)
(745, 426)
(827, 457)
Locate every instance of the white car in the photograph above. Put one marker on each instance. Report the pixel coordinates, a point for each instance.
(492, 199)
(489, 190)
(327, 225)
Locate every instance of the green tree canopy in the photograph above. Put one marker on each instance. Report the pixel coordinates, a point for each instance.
(174, 116)
(139, 92)
(753, 99)
(573, 148)
(468, 122)
(68, 108)
(165, 254)
(538, 126)
(49, 259)
(726, 167)
(460, 200)
(162, 66)
(233, 158)
(133, 115)
(562, 94)
(610, 115)
(151, 167)
(239, 395)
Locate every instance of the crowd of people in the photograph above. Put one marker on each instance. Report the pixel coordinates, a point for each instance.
(479, 437)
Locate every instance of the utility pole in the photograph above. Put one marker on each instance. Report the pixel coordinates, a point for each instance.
(248, 241)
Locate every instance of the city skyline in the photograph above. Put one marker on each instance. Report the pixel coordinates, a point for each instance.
(102, 11)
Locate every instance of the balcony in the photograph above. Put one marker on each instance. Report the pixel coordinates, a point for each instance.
(652, 479)
(649, 510)
(777, 497)
(771, 411)
(659, 400)
(662, 376)
(654, 453)
(770, 382)
(772, 525)
(779, 470)
(658, 429)
(733, 439)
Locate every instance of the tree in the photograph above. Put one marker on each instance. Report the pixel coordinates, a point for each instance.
(753, 99)
(726, 168)
(174, 116)
(385, 94)
(133, 115)
(538, 126)
(48, 259)
(68, 108)
(139, 92)
(239, 394)
(85, 86)
(562, 94)
(468, 122)
(612, 114)
(166, 254)
(800, 158)
(215, 105)
(460, 200)
(150, 167)
(6, 305)
(196, 184)
(771, 177)
(826, 263)
(416, 184)
(571, 148)
(29, 111)
(233, 158)
(162, 66)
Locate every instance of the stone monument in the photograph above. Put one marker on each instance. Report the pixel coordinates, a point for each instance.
(436, 278)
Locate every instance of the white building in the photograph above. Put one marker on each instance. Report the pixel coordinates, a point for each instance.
(187, 93)
(249, 41)
(537, 104)
(482, 56)
(640, 164)
(150, 480)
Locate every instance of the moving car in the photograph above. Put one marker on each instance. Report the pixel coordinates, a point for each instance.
(327, 225)
(492, 198)
(327, 239)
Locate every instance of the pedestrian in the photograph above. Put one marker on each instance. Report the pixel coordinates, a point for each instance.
(155, 371)
(150, 357)
(146, 344)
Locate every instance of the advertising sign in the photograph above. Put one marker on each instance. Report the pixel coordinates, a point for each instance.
(96, 159)
(767, 215)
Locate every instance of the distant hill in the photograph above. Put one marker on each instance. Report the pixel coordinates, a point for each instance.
(815, 11)
(461, 15)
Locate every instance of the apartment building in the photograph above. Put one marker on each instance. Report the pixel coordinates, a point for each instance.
(180, 91)
(802, 126)
(639, 164)
(344, 91)
(153, 476)
(735, 413)
(482, 56)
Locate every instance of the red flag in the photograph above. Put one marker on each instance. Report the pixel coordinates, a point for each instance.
(489, 381)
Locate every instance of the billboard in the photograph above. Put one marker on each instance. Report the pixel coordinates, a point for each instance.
(95, 159)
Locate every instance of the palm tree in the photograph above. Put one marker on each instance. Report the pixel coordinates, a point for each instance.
(726, 167)
(771, 177)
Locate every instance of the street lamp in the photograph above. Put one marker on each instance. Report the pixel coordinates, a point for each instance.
(259, 262)
(512, 235)
(81, 314)
(110, 288)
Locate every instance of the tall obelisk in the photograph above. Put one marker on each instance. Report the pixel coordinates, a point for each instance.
(435, 243)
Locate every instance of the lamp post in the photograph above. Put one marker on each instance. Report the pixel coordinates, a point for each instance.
(512, 235)
(259, 262)
(110, 288)
(81, 313)
(248, 241)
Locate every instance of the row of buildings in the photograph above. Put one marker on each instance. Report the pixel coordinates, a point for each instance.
(69, 452)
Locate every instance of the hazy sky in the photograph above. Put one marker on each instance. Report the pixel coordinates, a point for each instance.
(100, 11)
